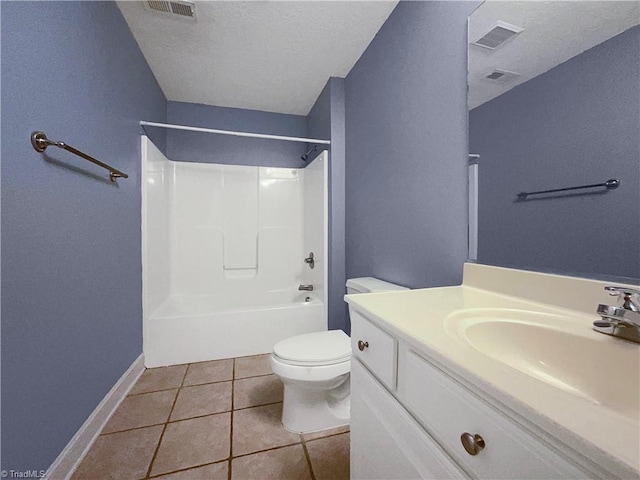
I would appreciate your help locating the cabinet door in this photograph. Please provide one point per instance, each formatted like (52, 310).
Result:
(386, 443)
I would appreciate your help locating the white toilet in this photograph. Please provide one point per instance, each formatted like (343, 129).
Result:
(314, 368)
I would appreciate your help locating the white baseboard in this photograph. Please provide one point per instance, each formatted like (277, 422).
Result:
(69, 459)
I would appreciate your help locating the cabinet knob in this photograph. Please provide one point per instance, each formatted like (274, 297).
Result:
(472, 443)
(362, 345)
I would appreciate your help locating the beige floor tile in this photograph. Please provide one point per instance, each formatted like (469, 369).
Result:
(216, 471)
(202, 400)
(120, 455)
(209, 372)
(252, 366)
(330, 457)
(288, 463)
(141, 411)
(260, 428)
(163, 378)
(251, 392)
(193, 442)
(325, 433)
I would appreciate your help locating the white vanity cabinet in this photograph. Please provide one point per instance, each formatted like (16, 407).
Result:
(407, 418)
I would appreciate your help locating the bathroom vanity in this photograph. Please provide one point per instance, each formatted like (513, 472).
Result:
(501, 377)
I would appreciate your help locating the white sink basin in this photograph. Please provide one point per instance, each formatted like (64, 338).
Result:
(556, 350)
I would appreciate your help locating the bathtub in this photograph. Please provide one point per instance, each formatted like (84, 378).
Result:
(196, 328)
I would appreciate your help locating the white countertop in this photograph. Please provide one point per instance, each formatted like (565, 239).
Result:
(426, 320)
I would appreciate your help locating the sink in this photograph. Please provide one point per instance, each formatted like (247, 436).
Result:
(557, 350)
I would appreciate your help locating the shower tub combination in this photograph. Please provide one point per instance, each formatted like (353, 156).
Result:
(194, 329)
(223, 255)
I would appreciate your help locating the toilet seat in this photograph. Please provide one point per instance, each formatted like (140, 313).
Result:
(314, 349)
(309, 375)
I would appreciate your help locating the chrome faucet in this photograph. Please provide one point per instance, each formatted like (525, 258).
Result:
(307, 288)
(621, 321)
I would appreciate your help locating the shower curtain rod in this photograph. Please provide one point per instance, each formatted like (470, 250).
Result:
(236, 134)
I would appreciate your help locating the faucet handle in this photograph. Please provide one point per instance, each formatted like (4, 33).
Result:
(310, 260)
(631, 296)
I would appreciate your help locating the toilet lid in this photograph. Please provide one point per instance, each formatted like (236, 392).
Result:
(318, 348)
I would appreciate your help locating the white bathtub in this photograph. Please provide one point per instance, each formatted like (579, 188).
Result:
(196, 328)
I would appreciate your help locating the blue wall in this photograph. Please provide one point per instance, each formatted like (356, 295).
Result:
(326, 120)
(576, 124)
(211, 148)
(71, 272)
(406, 169)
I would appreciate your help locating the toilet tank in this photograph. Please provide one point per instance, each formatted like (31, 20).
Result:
(370, 284)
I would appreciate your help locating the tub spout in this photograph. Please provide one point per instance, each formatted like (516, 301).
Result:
(307, 288)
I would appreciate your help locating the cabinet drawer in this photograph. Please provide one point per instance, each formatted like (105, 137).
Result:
(447, 410)
(379, 349)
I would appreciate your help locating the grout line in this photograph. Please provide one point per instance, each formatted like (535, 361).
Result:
(164, 429)
(306, 454)
(189, 468)
(152, 391)
(207, 383)
(267, 449)
(197, 416)
(326, 436)
(132, 429)
(233, 385)
(199, 384)
(255, 376)
(177, 420)
(256, 406)
(180, 387)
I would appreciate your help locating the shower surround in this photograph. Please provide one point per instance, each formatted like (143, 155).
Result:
(223, 255)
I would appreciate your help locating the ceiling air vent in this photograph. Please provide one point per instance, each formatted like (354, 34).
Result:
(175, 8)
(498, 35)
(502, 75)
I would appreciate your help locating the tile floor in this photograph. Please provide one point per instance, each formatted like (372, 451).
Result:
(211, 420)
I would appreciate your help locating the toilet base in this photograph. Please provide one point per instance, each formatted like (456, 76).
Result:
(307, 410)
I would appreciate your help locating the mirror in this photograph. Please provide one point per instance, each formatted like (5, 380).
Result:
(554, 103)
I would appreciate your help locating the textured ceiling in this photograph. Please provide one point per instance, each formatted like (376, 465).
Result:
(553, 33)
(261, 55)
